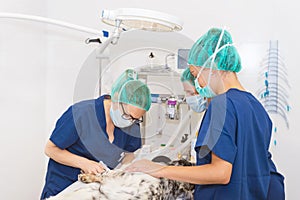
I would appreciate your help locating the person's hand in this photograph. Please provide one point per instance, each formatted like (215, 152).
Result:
(92, 167)
(146, 166)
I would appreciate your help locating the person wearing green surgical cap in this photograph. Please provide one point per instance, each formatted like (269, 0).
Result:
(193, 99)
(210, 53)
(130, 99)
(233, 161)
(97, 131)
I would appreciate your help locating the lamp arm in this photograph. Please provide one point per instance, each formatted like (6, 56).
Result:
(50, 21)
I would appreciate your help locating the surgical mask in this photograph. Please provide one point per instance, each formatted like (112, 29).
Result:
(205, 91)
(116, 117)
(197, 103)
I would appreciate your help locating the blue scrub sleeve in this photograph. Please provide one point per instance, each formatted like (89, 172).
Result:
(218, 130)
(65, 134)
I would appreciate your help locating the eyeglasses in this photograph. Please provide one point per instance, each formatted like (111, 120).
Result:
(129, 117)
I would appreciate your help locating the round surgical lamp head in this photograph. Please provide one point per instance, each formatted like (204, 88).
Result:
(135, 18)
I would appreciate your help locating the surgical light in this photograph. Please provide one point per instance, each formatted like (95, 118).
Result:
(135, 18)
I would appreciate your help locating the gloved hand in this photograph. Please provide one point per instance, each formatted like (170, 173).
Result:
(92, 167)
(146, 166)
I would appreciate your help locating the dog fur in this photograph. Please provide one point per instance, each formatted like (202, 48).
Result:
(117, 184)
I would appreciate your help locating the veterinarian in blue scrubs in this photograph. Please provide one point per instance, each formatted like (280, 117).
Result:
(233, 161)
(96, 130)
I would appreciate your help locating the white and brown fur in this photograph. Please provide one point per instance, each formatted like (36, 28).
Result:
(117, 184)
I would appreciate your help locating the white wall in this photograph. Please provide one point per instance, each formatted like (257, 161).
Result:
(22, 107)
(38, 71)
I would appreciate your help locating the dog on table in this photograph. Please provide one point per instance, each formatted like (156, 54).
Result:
(129, 185)
(117, 184)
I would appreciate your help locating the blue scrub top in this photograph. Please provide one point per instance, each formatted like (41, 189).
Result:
(82, 131)
(237, 129)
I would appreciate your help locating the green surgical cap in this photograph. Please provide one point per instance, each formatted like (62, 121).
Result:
(186, 76)
(127, 89)
(226, 59)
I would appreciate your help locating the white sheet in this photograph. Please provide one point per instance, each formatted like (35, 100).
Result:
(78, 190)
